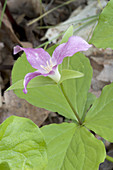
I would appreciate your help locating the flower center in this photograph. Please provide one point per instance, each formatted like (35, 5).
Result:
(49, 67)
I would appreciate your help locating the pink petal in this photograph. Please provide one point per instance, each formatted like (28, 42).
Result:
(36, 57)
(17, 49)
(29, 77)
(74, 45)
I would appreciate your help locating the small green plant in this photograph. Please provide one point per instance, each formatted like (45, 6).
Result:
(60, 84)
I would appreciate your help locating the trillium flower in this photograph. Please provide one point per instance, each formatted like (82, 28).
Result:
(47, 65)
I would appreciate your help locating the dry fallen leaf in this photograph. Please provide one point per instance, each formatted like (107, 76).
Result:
(12, 105)
(104, 65)
(80, 13)
(106, 74)
(31, 8)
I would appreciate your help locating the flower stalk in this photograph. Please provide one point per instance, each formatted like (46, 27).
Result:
(77, 116)
(109, 158)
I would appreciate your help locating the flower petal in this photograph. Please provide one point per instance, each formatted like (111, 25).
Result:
(17, 49)
(36, 57)
(29, 77)
(74, 45)
(55, 75)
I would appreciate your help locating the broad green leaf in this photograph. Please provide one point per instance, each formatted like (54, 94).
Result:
(72, 147)
(22, 145)
(77, 89)
(51, 49)
(22, 70)
(70, 74)
(49, 97)
(103, 33)
(100, 117)
(90, 100)
(67, 34)
(36, 82)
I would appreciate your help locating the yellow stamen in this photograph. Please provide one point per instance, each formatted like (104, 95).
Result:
(48, 68)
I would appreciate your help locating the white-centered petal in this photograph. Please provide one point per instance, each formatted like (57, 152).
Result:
(48, 67)
(56, 76)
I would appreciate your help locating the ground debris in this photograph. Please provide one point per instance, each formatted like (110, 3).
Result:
(12, 105)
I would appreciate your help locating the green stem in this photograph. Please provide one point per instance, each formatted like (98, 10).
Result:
(74, 22)
(78, 28)
(100, 4)
(2, 14)
(48, 12)
(78, 118)
(109, 158)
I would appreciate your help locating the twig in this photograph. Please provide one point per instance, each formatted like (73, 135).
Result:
(48, 12)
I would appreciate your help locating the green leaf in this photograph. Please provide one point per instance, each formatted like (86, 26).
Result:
(100, 117)
(22, 145)
(36, 82)
(51, 49)
(49, 97)
(103, 33)
(70, 74)
(77, 89)
(72, 147)
(67, 34)
(22, 70)
(90, 100)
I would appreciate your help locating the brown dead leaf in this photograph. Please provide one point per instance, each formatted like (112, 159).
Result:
(8, 40)
(104, 66)
(106, 75)
(8, 37)
(31, 8)
(12, 105)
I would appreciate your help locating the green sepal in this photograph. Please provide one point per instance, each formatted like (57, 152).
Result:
(67, 34)
(69, 74)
